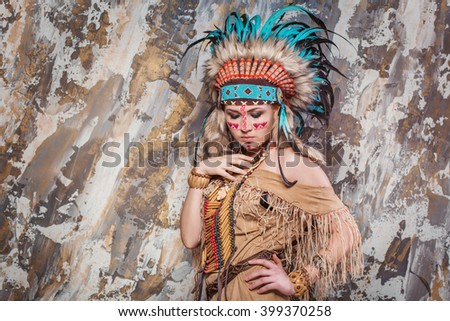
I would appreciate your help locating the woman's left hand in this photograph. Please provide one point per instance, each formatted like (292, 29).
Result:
(271, 277)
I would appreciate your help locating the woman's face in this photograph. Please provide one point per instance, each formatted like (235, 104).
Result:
(250, 125)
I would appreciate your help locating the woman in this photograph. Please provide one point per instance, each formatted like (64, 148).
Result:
(263, 212)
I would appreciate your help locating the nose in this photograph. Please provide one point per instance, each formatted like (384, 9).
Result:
(245, 126)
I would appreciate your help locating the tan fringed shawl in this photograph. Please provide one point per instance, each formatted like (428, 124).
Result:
(303, 221)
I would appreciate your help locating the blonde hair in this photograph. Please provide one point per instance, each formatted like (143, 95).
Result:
(216, 139)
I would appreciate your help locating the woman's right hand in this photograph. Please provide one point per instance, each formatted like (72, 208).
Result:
(225, 166)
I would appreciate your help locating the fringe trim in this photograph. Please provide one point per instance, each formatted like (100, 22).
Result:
(305, 235)
(331, 235)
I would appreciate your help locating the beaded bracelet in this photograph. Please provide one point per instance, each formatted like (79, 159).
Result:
(196, 180)
(301, 282)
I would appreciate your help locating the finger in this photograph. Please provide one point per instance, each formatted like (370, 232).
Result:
(260, 283)
(239, 162)
(244, 164)
(266, 263)
(258, 274)
(226, 175)
(277, 261)
(244, 157)
(266, 288)
(236, 170)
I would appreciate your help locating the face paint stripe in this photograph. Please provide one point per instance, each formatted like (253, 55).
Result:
(260, 125)
(233, 126)
(244, 117)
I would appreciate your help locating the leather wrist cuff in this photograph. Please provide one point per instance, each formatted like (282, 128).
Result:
(301, 282)
(196, 180)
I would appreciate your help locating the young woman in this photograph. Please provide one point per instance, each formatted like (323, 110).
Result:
(268, 222)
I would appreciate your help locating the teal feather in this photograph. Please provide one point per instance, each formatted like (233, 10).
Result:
(229, 26)
(238, 25)
(246, 27)
(255, 24)
(289, 34)
(283, 30)
(316, 108)
(302, 36)
(283, 121)
(283, 126)
(300, 123)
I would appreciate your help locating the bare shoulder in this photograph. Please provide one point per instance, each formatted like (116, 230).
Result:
(299, 168)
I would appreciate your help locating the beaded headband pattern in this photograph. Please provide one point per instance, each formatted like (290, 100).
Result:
(249, 94)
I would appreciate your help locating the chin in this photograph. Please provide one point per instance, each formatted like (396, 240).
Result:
(251, 146)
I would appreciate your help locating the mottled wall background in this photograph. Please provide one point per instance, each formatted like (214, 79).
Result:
(75, 75)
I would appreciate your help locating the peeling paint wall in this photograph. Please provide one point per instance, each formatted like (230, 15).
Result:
(81, 80)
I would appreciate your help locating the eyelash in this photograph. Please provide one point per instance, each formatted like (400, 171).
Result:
(257, 115)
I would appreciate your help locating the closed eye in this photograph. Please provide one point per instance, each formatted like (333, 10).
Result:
(256, 115)
(234, 116)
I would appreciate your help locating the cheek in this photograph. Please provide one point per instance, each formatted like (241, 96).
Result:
(258, 126)
(233, 126)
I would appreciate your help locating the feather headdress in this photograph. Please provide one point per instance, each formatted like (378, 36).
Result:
(248, 59)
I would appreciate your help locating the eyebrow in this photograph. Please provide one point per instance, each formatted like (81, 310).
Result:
(248, 111)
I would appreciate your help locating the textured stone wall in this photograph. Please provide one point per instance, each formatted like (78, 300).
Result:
(76, 75)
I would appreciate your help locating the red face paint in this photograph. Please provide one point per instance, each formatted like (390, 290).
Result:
(260, 125)
(244, 117)
(234, 126)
